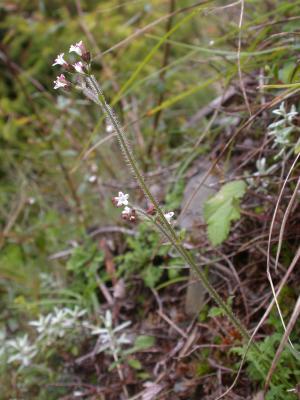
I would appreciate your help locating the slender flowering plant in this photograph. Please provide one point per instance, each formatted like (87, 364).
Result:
(87, 83)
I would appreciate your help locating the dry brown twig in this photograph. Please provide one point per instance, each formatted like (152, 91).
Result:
(284, 339)
(280, 242)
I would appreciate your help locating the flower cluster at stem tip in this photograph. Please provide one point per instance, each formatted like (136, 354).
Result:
(80, 67)
(83, 67)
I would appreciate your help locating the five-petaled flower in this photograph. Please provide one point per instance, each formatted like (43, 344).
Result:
(121, 200)
(60, 82)
(79, 67)
(60, 60)
(78, 48)
(169, 216)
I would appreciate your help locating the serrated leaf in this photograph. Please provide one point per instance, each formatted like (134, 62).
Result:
(221, 209)
(152, 275)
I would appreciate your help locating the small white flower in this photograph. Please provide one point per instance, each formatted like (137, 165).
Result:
(59, 60)
(122, 199)
(79, 67)
(78, 48)
(31, 201)
(77, 393)
(60, 82)
(92, 178)
(169, 216)
(109, 128)
(126, 211)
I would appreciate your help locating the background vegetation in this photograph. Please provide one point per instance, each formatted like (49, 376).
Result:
(93, 306)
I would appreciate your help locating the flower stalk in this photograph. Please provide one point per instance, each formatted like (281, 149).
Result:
(165, 227)
(90, 87)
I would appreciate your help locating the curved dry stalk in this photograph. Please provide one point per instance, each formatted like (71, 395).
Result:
(240, 284)
(284, 221)
(96, 145)
(262, 320)
(284, 339)
(269, 244)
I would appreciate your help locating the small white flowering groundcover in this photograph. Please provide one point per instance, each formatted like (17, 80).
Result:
(57, 324)
(281, 129)
(60, 324)
(49, 328)
(109, 338)
(21, 350)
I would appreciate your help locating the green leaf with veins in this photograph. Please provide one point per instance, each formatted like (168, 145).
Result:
(223, 208)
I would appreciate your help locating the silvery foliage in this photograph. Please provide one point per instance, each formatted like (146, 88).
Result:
(110, 339)
(261, 171)
(19, 350)
(47, 282)
(55, 326)
(281, 129)
(49, 328)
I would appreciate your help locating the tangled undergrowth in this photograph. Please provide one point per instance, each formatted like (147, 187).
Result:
(93, 298)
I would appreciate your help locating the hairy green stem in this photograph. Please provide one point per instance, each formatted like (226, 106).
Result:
(167, 228)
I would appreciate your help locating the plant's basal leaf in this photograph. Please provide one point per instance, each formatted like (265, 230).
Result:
(221, 209)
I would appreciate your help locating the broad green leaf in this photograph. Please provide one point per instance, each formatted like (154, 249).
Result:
(223, 208)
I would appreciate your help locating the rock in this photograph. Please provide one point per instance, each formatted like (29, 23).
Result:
(259, 396)
(192, 217)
